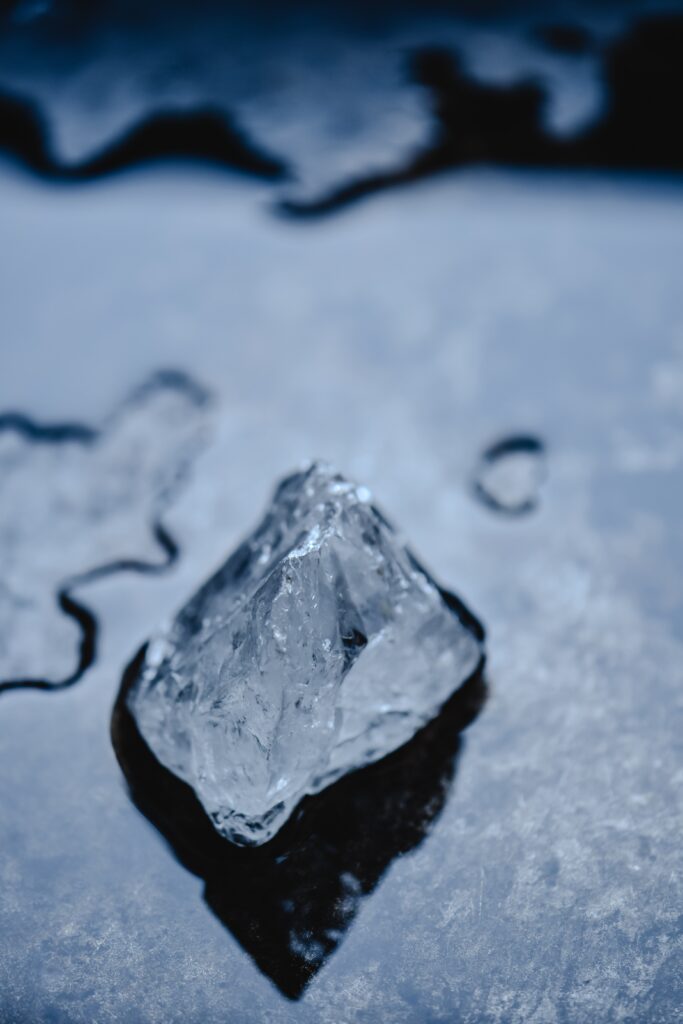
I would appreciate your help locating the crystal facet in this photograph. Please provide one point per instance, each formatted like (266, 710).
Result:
(320, 646)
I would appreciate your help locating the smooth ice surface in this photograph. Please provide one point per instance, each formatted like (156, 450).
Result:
(320, 646)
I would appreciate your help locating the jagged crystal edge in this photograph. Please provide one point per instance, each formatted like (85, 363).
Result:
(320, 646)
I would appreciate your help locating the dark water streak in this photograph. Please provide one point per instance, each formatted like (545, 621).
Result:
(474, 123)
(202, 134)
(76, 433)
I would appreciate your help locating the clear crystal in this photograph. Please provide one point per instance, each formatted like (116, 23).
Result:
(320, 646)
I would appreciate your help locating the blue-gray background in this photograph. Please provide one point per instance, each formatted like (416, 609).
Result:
(396, 337)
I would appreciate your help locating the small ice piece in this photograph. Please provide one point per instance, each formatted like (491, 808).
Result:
(320, 646)
(510, 474)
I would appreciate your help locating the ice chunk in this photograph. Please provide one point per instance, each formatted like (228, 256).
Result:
(320, 646)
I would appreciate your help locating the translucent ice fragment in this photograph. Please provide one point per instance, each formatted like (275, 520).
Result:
(320, 646)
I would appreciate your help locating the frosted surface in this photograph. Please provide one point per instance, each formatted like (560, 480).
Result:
(320, 646)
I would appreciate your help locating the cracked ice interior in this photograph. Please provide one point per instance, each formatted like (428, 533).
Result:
(320, 646)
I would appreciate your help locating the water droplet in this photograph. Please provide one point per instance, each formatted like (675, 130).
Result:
(510, 473)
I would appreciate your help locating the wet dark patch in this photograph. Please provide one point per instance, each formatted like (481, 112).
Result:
(473, 123)
(290, 902)
(570, 39)
(478, 123)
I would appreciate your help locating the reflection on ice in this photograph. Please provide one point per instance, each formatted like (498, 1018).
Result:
(289, 903)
